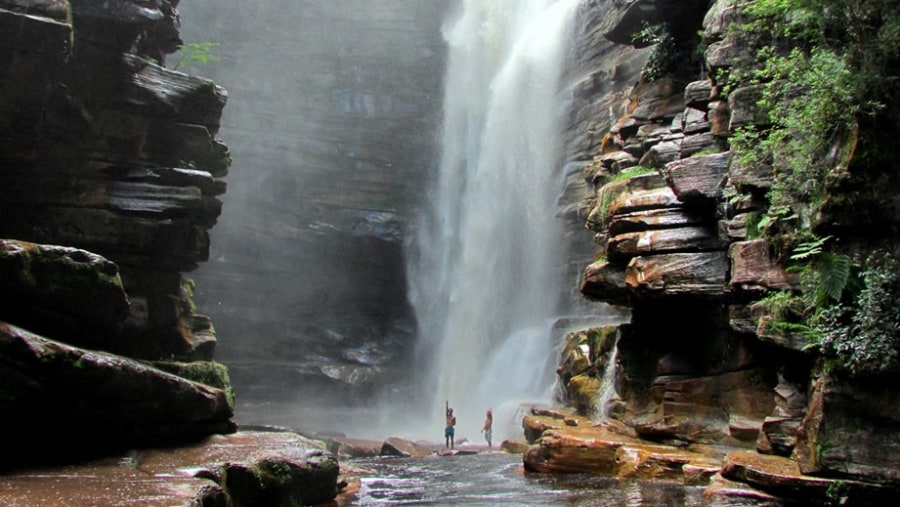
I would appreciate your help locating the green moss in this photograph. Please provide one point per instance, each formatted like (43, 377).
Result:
(209, 373)
(282, 483)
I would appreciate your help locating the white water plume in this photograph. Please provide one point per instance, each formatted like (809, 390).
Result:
(607, 385)
(484, 268)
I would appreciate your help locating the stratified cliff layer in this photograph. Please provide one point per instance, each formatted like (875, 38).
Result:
(109, 177)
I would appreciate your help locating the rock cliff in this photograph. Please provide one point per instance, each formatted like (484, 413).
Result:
(110, 172)
(697, 244)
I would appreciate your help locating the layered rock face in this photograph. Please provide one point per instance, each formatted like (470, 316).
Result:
(696, 364)
(335, 112)
(109, 175)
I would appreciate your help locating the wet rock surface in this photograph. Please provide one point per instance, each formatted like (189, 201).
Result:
(675, 216)
(241, 469)
(724, 471)
(105, 150)
(65, 401)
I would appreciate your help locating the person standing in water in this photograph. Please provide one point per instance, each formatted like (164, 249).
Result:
(449, 431)
(488, 424)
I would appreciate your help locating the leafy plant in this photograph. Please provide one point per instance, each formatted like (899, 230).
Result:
(196, 52)
(669, 56)
(864, 333)
(827, 80)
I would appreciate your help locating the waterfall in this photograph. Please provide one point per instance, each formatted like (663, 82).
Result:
(607, 385)
(484, 268)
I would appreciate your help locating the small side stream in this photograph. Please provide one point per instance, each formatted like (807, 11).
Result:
(497, 479)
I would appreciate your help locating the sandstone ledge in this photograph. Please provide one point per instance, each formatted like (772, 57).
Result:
(575, 445)
(560, 447)
(782, 477)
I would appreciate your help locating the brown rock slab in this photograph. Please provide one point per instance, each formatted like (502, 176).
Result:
(574, 451)
(535, 426)
(837, 438)
(652, 219)
(698, 473)
(651, 463)
(358, 448)
(724, 490)
(596, 450)
(753, 268)
(662, 98)
(697, 93)
(395, 446)
(745, 109)
(662, 241)
(582, 391)
(697, 178)
(605, 282)
(643, 199)
(744, 428)
(782, 476)
(514, 446)
(696, 274)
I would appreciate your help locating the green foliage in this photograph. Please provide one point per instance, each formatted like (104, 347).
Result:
(846, 311)
(832, 278)
(825, 278)
(669, 56)
(196, 52)
(837, 493)
(864, 331)
(809, 249)
(827, 77)
(664, 52)
(825, 68)
(751, 223)
(782, 305)
(631, 172)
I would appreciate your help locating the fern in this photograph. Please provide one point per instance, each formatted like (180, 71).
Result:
(809, 249)
(834, 273)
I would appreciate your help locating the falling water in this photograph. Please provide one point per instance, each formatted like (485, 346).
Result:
(484, 277)
(607, 385)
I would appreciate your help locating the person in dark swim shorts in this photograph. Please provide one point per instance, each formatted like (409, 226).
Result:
(449, 431)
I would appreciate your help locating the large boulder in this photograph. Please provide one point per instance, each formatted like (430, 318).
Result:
(52, 391)
(836, 437)
(62, 292)
(395, 446)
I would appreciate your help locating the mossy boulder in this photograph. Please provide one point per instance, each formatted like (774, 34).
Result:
(282, 483)
(65, 293)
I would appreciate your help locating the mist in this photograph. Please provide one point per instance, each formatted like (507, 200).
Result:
(391, 238)
(332, 121)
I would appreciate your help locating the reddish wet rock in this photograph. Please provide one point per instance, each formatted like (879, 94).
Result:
(184, 476)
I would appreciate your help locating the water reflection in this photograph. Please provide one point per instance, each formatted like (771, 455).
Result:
(497, 479)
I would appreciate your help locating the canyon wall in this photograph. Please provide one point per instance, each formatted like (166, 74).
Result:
(676, 213)
(110, 172)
